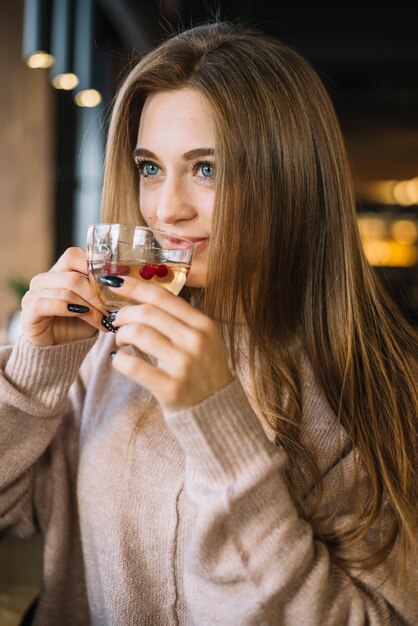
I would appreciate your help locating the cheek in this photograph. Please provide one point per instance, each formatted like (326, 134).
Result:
(145, 208)
(206, 202)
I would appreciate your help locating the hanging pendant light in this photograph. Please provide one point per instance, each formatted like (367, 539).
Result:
(62, 73)
(37, 34)
(87, 93)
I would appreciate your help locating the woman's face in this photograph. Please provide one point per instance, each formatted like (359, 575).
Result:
(175, 157)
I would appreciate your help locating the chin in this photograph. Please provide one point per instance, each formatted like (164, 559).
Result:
(196, 284)
(196, 278)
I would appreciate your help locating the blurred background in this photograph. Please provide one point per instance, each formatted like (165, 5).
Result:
(61, 62)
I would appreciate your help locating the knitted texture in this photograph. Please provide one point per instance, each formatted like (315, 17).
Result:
(189, 520)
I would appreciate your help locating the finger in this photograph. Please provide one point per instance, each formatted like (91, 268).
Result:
(142, 372)
(171, 391)
(72, 281)
(58, 303)
(149, 341)
(177, 331)
(160, 297)
(73, 259)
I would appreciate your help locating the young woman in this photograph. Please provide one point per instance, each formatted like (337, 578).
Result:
(260, 467)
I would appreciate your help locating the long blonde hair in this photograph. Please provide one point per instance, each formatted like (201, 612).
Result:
(285, 252)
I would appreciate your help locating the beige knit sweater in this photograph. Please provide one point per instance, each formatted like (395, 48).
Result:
(189, 521)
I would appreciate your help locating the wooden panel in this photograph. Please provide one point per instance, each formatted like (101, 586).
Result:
(26, 110)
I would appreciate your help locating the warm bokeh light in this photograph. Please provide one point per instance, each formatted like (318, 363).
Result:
(412, 190)
(65, 81)
(40, 59)
(372, 228)
(88, 98)
(400, 192)
(390, 253)
(405, 231)
(389, 242)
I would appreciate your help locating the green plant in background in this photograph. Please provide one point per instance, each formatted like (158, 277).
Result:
(12, 331)
(19, 286)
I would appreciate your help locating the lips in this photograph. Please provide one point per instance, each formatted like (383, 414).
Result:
(199, 242)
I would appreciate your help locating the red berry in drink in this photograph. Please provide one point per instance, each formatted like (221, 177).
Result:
(147, 271)
(161, 270)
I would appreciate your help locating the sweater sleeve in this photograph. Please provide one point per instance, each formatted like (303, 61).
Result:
(34, 384)
(252, 559)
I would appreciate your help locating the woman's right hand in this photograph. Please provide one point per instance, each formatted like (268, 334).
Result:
(46, 319)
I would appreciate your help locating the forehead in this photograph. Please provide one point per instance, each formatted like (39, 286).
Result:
(174, 114)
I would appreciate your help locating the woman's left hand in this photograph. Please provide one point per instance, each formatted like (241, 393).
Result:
(191, 363)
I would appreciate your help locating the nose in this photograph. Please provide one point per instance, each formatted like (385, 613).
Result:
(174, 202)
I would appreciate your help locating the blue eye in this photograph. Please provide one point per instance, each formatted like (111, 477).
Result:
(208, 170)
(147, 168)
(150, 169)
(204, 169)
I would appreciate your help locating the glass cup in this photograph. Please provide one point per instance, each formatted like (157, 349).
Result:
(147, 254)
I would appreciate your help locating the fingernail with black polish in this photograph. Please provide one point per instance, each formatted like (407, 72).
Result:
(108, 325)
(112, 281)
(78, 308)
(112, 354)
(112, 316)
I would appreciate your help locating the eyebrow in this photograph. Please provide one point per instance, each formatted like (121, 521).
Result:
(187, 156)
